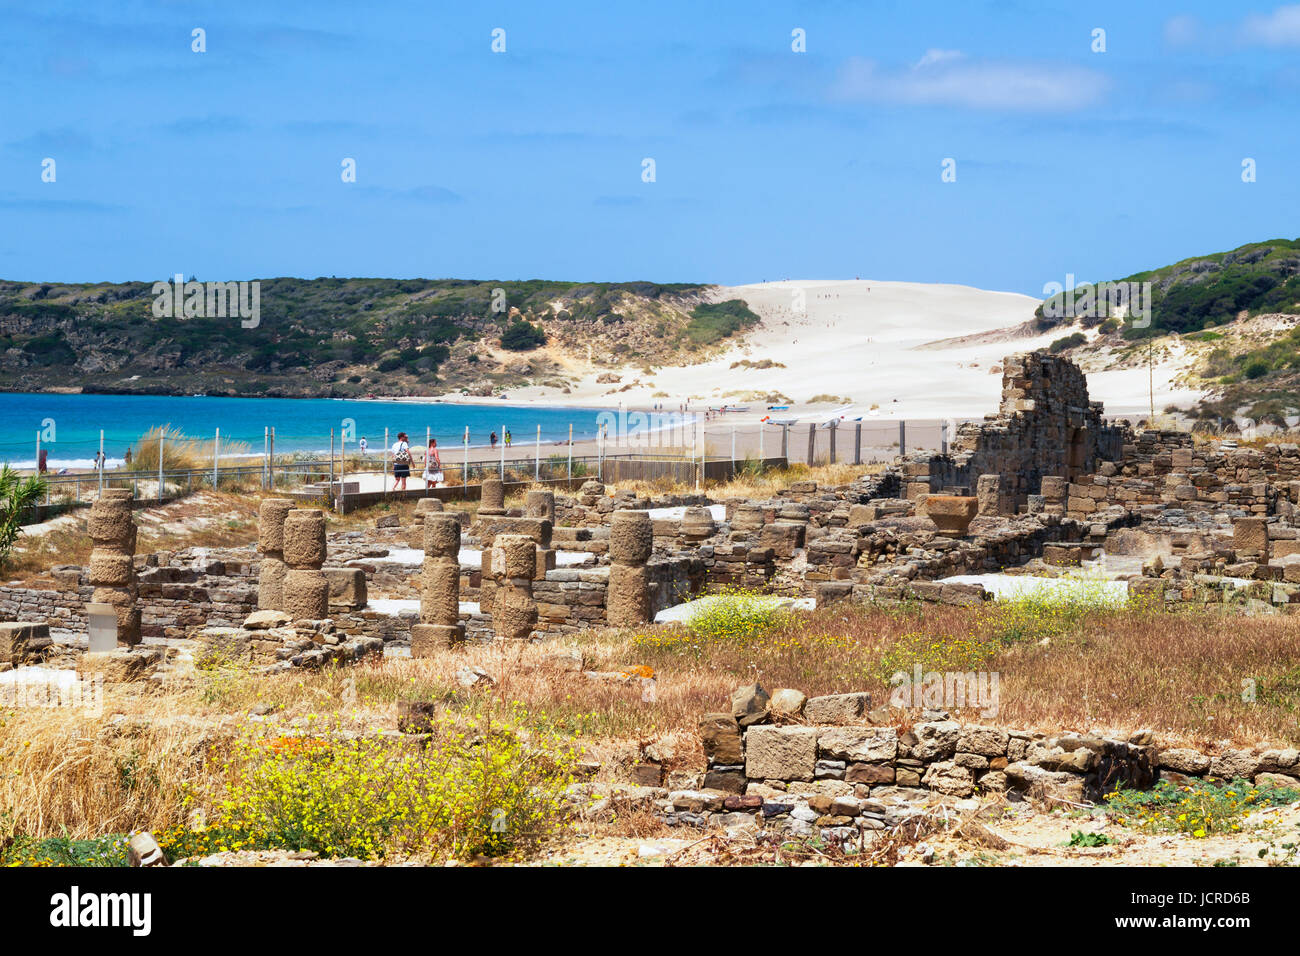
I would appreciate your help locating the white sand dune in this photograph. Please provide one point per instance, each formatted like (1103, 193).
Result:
(886, 346)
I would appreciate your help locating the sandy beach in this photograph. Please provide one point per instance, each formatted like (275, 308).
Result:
(888, 350)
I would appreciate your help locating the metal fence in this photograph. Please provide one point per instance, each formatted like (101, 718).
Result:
(680, 450)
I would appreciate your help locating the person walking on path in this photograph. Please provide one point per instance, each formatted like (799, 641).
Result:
(432, 465)
(401, 461)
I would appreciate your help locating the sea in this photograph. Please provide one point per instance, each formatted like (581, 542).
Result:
(69, 426)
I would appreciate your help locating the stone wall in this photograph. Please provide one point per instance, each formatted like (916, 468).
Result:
(1045, 425)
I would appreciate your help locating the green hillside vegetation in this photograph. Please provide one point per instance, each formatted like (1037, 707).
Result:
(712, 322)
(1210, 290)
(325, 336)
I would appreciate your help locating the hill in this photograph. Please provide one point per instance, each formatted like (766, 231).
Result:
(1232, 316)
(332, 337)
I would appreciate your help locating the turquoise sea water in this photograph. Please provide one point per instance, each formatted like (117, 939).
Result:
(70, 424)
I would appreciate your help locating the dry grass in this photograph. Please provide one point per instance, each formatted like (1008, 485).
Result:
(180, 453)
(754, 484)
(1114, 671)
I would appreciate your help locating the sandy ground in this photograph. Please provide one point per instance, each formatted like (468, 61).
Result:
(890, 349)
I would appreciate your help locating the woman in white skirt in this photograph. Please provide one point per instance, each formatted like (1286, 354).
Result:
(432, 465)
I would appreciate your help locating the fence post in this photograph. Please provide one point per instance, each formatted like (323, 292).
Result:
(693, 471)
(101, 462)
(37, 467)
(537, 467)
(835, 427)
(902, 437)
(570, 475)
(216, 457)
(464, 476)
(812, 443)
(733, 451)
(785, 442)
(385, 485)
(857, 443)
(270, 462)
(331, 462)
(161, 439)
(503, 454)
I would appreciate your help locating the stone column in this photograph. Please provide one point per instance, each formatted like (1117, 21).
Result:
(631, 541)
(306, 589)
(492, 497)
(439, 625)
(540, 507)
(270, 541)
(112, 565)
(423, 508)
(514, 612)
(988, 489)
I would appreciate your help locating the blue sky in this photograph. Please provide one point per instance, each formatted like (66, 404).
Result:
(525, 164)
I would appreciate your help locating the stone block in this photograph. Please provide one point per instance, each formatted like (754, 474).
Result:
(780, 753)
(837, 708)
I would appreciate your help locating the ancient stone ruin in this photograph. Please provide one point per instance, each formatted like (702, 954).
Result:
(631, 542)
(492, 497)
(270, 541)
(306, 589)
(439, 625)
(514, 612)
(112, 561)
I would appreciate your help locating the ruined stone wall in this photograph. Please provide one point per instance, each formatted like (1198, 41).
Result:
(1045, 425)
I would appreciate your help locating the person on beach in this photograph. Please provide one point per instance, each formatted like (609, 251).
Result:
(507, 437)
(493, 439)
(361, 446)
(401, 461)
(127, 457)
(432, 465)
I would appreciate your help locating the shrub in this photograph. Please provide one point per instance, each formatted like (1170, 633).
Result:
(1199, 808)
(521, 336)
(1068, 342)
(735, 615)
(480, 788)
(713, 321)
(17, 495)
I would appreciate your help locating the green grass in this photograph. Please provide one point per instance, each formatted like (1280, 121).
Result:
(108, 850)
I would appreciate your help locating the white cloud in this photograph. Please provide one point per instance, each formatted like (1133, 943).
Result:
(937, 56)
(948, 78)
(1279, 28)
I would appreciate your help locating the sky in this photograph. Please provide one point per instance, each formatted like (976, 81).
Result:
(531, 162)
